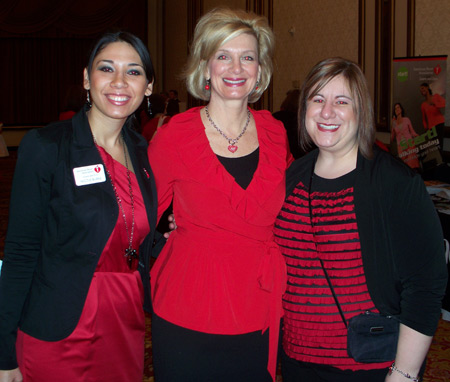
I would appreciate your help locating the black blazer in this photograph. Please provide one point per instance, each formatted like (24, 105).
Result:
(57, 231)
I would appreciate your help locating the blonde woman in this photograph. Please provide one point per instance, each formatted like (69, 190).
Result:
(217, 285)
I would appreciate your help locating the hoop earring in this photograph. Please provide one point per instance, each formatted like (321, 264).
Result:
(149, 106)
(208, 83)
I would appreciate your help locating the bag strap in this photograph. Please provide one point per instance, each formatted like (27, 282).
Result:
(334, 294)
(320, 260)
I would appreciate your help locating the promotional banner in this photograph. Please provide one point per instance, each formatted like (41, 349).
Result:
(418, 109)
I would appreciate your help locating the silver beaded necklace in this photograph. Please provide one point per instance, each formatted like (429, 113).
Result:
(231, 142)
(130, 252)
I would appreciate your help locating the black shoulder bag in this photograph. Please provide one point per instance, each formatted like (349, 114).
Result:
(371, 337)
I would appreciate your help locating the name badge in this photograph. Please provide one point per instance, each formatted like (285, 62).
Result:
(89, 174)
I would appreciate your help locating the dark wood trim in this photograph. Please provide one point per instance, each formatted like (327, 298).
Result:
(163, 81)
(384, 12)
(411, 28)
(376, 103)
(263, 8)
(362, 34)
(194, 12)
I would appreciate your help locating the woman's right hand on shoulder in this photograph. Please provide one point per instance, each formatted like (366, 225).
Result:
(13, 375)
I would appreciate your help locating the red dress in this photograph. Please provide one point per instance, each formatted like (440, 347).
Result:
(149, 129)
(220, 272)
(108, 342)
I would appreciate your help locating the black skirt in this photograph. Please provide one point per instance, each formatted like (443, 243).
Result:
(181, 354)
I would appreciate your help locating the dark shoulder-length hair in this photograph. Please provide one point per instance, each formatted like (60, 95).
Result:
(134, 41)
(319, 76)
(394, 115)
(427, 85)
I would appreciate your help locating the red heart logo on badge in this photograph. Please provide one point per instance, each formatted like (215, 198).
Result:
(97, 169)
(437, 69)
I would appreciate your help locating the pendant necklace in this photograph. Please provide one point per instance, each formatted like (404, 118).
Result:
(231, 142)
(130, 252)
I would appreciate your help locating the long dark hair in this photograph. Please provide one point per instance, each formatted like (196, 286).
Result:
(135, 42)
(394, 115)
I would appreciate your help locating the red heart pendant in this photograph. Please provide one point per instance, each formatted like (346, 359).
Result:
(232, 148)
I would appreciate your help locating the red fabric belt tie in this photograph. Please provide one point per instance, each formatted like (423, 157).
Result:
(273, 281)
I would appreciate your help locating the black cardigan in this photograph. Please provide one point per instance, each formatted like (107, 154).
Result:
(57, 231)
(401, 238)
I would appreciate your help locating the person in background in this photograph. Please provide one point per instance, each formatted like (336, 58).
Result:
(173, 103)
(431, 108)
(369, 219)
(288, 115)
(82, 217)
(404, 134)
(218, 282)
(75, 99)
(165, 96)
(157, 106)
(431, 112)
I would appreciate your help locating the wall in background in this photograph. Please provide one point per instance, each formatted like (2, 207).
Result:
(308, 31)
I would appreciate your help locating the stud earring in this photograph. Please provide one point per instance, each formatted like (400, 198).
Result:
(207, 86)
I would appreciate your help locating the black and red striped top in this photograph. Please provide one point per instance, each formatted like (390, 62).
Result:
(313, 328)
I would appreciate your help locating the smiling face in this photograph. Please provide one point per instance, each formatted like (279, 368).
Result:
(424, 90)
(331, 120)
(234, 69)
(117, 82)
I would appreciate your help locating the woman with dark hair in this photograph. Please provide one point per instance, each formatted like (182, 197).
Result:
(82, 216)
(158, 118)
(218, 282)
(358, 231)
(404, 134)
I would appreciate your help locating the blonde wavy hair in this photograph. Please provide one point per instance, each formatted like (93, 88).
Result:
(216, 28)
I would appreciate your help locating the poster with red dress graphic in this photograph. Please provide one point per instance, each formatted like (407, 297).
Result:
(418, 110)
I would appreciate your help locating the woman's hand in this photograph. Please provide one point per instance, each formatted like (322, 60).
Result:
(412, 349)
(11, 375)
(172, 226)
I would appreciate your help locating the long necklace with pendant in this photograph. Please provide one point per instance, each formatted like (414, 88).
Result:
(130, 252)
(231, 142)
